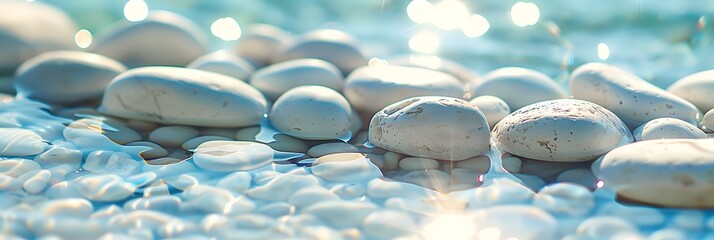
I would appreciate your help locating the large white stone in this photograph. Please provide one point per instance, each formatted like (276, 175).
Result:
(564, 130)
(163, 38)
(369, 89)
(431, 127)
(66, 76)
(330, 45)
(30, 28)
(494, 108)
(668, 172)
(518, 87)
(20, 142)
(667, 128)
(313, 113)
(174, 95)
(697, 88)
(276, 79)
(631, 98)
(224, 62)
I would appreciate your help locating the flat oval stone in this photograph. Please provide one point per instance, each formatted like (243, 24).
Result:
(518, 87)
(667, 128)
(493, 108)
(225, 63)
(283, 143)
(30, 28)
(172, 136)
(230, 156)
(697, 88)
(417, 163)
(431, 127)
(668, 172)
(173, 95)
(565, 199)
(115, 131)
(106, 187)
(259, 43)
(163, 38)
(330, 45)
(15, 168)
(631, 98)
(345, 167)
(370, 89)
(66, 76)
(313, 113)
(330, 148)
(276, 79)
(20, 142)
(564, 130)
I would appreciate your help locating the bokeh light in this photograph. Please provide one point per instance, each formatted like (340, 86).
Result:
(525, 14)
(136, 10)
(83, 38)
(475, 26)
(227, 29)
(424, 42)
(603, 51)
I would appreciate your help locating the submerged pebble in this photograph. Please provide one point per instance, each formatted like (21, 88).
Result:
(229, 156)
(20, 142)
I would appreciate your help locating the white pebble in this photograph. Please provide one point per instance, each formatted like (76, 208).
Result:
(331, 148)
(566, 199)
(276, 79)
(225, 63)
(172, 136)
(193, 143)
(417, 163)
(38, 182)
(230, 156)
(345, 167)
(341, 214)
(493, 108)
(58, 155)
(312, 113)
(696, 88)
(330, 45)
(104, 187)
(20, 142)
(259, 43)
(518, 87)
(667, 128)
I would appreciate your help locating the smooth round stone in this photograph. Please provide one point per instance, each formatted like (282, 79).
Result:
(669, 172)
(518, 87)
(118, 163)
(206, 199)
(667, 128)
(311, 195)
(66, 77)
(141, 126)
(431, 127)
(237, 182)
(36, 183)
(707, 123)
(639, 215)
(533, 223)
(60, 156)
(331, 148)
(164, 204)
(501, 192)
(417, 163)
(70, 207)
(345, 167)
(15, 168)
(431, 178)
(276, 209)
(370, 89)
(115, 131)
(464, 178)
(156, 151)
(230, 156)
(283, 143)
(697, 88)
(668, 234)
(604, 227)
(172, 95)
(224, 62)
(565, 199)
(30, 28)
(444, 65)
(281, 187)
(276, 79)
(564, 130)
(172, 136)
(494, 108)
(480, 163)
(633, 99)
(221, 132)
(312, 113)
(163, 38)
(330, 45)
(391, 161)
(259, 43)
(104, 188)
(341, 214)
(20, 142)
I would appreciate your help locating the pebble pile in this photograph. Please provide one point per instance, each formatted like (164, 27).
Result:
(148, 135)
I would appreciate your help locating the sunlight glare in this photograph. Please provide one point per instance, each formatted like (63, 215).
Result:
(83, 38)
(449, 14)
(451, 226)
(227, 29)
(525, 14)
(136, 10)
(603, 51)
(419, 11)
(475, 26)
(424, 42)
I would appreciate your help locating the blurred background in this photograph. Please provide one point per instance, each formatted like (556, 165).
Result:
(658, 40)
